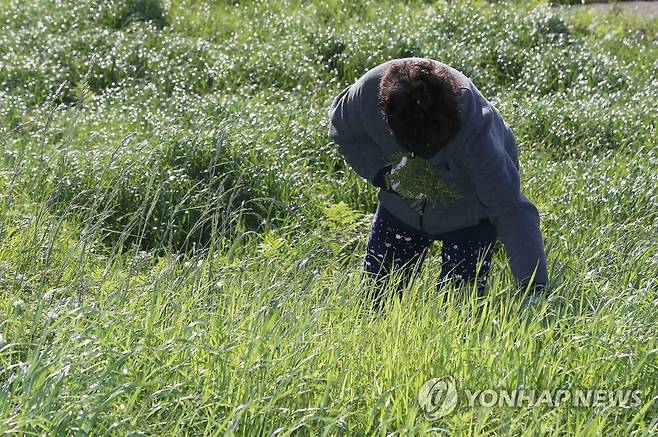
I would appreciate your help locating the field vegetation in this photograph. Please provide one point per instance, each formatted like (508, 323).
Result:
(181, 245)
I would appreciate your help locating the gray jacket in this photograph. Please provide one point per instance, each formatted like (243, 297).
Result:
(480, 162)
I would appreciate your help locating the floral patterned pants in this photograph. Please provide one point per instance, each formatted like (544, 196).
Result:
(395, 246)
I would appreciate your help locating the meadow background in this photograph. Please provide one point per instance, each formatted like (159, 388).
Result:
(180, 243)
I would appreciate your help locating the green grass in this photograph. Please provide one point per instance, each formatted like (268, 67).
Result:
(180, 244)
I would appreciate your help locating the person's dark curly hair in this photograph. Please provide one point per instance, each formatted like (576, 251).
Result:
(419, 102)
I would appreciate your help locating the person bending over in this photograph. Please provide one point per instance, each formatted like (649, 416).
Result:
(447, 167)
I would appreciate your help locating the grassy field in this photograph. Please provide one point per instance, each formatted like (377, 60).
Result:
(180, 243)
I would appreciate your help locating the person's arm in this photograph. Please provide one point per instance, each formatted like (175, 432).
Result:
(497, 186)
(362, 154)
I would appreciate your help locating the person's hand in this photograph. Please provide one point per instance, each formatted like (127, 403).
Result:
(537, 293)
(379, 180)
(398, 167)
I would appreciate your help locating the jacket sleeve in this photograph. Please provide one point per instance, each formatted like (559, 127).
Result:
(497, 185)
(352, 141)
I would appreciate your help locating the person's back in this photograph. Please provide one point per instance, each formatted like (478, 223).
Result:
(432, 113)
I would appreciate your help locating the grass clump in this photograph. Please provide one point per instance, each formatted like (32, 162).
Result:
(119, 14)
(180, 192)
(415, 179)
